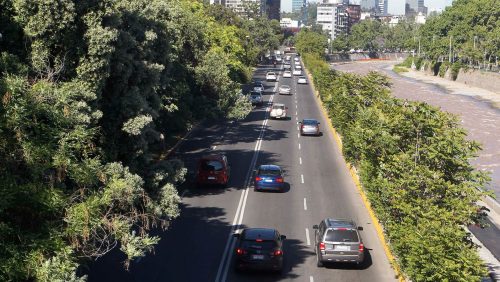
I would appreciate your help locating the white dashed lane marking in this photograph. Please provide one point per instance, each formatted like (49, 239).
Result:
(302, 178)
(308, 240)
(305, 204)
(300, 160)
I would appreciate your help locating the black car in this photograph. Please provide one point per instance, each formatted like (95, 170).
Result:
(259, 248)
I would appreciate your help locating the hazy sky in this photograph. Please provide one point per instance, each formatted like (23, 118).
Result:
(396, 7)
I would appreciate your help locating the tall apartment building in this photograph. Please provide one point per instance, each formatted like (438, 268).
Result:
(382, 6)
(333, 17)
(272, 9)
(297, 5)
(354, 13)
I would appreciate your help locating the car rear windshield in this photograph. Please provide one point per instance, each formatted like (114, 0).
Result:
(342, 235)
(253, 244)
(279, 107)
(310, 122)
(269, 172)
(212, 165)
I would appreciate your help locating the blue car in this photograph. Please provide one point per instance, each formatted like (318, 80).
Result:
(269, 177)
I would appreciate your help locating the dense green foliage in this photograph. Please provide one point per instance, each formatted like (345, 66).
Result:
(372, 35)
(473, 27)
(413, 162)
(88, 89)
(307, 41)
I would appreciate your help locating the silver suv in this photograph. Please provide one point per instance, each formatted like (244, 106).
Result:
(338, 240)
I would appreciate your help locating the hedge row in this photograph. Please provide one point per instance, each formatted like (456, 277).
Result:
(414, 165)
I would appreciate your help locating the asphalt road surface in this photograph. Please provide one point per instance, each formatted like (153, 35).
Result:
(198, 245)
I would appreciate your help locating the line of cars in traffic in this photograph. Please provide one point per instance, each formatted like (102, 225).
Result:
(335, 240)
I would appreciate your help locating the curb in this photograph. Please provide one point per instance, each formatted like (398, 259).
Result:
(355, 178)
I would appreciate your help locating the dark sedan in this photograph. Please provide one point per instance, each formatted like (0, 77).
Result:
(259, 248)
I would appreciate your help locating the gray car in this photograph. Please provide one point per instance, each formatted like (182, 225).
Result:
(338, 240)
(309, 127)
(256, 98)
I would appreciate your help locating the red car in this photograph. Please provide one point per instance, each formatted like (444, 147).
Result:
(213, 169)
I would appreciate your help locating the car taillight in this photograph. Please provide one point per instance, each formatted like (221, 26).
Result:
(322, 246)
(280, 179)
(361, 247)
(240, 251)
(278, 253)
(258, 178)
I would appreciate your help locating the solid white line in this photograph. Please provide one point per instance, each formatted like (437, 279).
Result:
(311, 279)
(305, 205)
(308, 240)
(300, 160)
(302, 178)
(240, 211)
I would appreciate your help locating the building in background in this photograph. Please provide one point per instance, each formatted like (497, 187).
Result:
(368, 5)
(272, 9)
(354, 13)
(239, 6)
(333, 17)
(297, 5)
(382, 6)
(414, 7)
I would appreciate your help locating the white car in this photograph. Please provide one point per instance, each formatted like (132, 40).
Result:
(278, 59)
(288, 57)
(287, 66)
(297, 72)
(278, 111)
(271, 76)
(285, 90)
(298, 67)
(287, 73)
(302, 80)
(297, 63)
(296, 59)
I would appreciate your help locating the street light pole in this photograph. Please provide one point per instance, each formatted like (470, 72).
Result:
(450, 59)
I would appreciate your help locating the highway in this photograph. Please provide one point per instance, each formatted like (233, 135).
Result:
(198, 245)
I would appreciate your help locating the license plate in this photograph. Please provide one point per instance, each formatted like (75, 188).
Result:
(342, 248)
(211, 178)
(268, 180)
(258, 257)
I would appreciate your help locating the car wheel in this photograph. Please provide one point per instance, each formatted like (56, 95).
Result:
(319, 263)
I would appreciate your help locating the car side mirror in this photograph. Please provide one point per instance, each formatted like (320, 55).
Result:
(283, 237)
(236, 235)
(299, 122)
(360, 228)
(315, 226)
(319, 122)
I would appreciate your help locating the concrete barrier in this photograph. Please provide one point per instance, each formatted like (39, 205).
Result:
(487, 80)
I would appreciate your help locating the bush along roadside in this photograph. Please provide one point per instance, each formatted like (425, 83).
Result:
(413, 162)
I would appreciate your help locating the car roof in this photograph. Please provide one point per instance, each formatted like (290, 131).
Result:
(259, 233)
(284, 85)
(340, 223)
(212, 157)
(269, 167)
